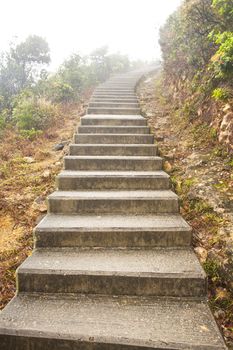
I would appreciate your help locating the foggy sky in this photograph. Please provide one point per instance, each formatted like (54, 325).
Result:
(127, 26)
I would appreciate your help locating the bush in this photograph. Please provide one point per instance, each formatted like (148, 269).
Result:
(3, 118)
(223, 58)
(31, 134)
(220, 94)
(61, 92)
(35, 113)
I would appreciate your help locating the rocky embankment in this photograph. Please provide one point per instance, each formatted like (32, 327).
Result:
(201, 173)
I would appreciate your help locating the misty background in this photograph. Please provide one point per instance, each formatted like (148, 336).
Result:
(79, 26)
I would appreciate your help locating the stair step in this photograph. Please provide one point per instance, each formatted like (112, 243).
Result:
(113, 150)
(113, 202)
(115, 90)
(112, 180)
(156, 272)
(45, 321)
(112, 231)
(121, 163)
(118, 104)
(114, 110)
(114, 100)
(113, 138)
(111, 94)
(113, 129)
(105, 120)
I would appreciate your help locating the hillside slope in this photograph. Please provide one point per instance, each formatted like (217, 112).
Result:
(27, 175)
(201, 173)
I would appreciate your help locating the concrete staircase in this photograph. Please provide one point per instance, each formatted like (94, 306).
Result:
(113, 267)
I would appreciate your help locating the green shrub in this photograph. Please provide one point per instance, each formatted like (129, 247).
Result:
(220, 94)
(2, 120)
(61, 92)
(35, 113)
(223, 58)
(31, 134)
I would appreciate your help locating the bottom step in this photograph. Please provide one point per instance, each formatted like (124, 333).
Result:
(78, 322)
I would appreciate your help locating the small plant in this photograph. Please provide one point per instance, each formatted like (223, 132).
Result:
(220, 94)
(32, 113)
(213, 133)
(4, 114)
(200, 206)
(62, 92)
(31, 134)
(211, 268)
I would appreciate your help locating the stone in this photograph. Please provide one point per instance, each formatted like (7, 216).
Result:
(58, 147)
(202, 253)
(226, 130)
(46, 173)
(29, 160)
(40, 204)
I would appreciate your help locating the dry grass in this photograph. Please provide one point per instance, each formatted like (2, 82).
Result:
(24, 185)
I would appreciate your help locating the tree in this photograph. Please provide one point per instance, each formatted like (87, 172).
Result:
(21, 66)
(184, 38)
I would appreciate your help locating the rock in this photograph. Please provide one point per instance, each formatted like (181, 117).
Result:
(29, 160)
(40, 204)
(43, 208)
(46, 173)
(58, 147)
(167, 166)
(202, 253)
(219, 314)
(226, 108)
(226, 130)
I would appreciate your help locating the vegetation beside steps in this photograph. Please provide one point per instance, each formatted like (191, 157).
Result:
(201, 171)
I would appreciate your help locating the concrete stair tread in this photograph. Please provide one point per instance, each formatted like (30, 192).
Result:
(113, 110)
(132, 145)
(112, 162)
(107, 129)
(114, 99)
(132, 194)
(114, 149)
(96, 173)
(114, 157)
(111, 116)
(108, 322)
(165, 230)
(158, 262)
(117, 103)
(58, 222)
(115, 120)
(113, 202)
(114, 138)
(115, 135)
